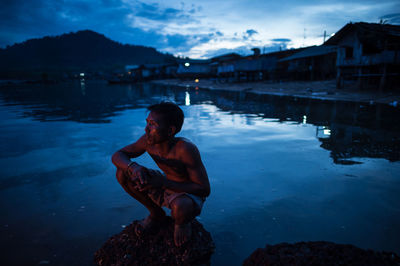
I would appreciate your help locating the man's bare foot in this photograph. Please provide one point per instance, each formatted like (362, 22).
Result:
(182, 233)
(148, 224)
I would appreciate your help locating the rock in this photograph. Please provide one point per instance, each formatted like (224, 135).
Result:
(156, 248)
(319, 253)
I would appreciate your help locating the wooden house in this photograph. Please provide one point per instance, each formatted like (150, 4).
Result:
(193, 68)
(255, 67)
(312, 63)
(222, 66)
(150, 71)
(273, 68)
(369, 54)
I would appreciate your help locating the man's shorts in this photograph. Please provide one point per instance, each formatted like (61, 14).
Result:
(164, 197)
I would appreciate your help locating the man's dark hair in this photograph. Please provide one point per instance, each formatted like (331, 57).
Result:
(172, 113)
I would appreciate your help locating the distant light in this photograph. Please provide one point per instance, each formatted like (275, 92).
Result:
(187, 64)
(327, 132)
(187, 98)
(304, 119)
(129, 73)
(196, 80)
(82, 74)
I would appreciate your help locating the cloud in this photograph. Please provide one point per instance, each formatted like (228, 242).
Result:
(277, 44)
(281, 40)
(22, 20)
(251, 32)
(154, 12)
(186, 27)
(177, 40)
(184, 43)
(391, 18)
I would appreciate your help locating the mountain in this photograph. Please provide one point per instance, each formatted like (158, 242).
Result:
(81, 51)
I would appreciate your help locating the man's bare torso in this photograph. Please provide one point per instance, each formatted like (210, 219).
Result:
(170, 163)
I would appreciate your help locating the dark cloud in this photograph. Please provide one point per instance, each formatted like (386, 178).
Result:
(204, 38)
(281, 40)
(154, 12)
(184, 43)
(157, 13)
(277, 44)
(220, 34)
(391, 18)
(22, 20)
(248, 34)
(177, 40)
(251, 32)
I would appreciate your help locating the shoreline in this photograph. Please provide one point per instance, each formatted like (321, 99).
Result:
(319, 90)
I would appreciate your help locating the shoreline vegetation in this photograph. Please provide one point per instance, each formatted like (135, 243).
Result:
(320, 90)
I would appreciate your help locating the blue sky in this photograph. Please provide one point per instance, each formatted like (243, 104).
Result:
(198, 29)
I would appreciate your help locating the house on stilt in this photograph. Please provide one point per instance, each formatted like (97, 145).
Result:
(368, 55)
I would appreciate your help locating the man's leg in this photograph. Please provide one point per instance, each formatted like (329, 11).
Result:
(183, 210)
(157, 214)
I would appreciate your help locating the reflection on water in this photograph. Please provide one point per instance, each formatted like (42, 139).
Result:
(187, 98)
(281, 169)
(344, 128)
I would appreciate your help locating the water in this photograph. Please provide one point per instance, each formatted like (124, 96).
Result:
(281, 169)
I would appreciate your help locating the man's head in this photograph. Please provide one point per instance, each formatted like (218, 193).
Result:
(165, 120)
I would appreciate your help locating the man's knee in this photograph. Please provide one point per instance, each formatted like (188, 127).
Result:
(182, 205)
(121, 177)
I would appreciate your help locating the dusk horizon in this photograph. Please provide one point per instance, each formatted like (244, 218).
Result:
(188, 29)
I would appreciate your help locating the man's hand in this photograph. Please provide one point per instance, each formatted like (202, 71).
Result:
(138, 175)
(144, 178)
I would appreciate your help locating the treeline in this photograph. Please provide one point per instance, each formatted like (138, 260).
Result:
(81, 51)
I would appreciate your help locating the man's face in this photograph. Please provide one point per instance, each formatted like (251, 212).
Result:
(156, 129)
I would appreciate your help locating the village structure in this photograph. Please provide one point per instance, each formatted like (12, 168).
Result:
(364, 54)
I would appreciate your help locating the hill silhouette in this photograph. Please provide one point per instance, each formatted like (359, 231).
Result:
(84, 50)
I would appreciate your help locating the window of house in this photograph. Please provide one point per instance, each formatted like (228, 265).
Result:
(349, 52)
(370, 48)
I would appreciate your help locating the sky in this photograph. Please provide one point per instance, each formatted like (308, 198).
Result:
(196, 29)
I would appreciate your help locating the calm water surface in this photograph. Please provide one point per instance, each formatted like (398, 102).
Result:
(281, 169)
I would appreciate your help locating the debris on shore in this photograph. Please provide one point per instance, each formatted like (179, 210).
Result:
(319, 253)
(156, 248)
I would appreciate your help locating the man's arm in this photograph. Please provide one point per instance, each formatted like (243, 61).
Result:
(199, 184)
(121, 158)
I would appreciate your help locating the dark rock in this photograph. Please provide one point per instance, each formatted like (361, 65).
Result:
(319, 253)
(156, 248)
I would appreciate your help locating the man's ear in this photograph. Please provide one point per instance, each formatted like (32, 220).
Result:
(172, 130)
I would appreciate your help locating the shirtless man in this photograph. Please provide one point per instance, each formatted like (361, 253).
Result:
(185, 184)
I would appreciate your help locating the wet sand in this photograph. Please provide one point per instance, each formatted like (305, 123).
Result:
(323, 90)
